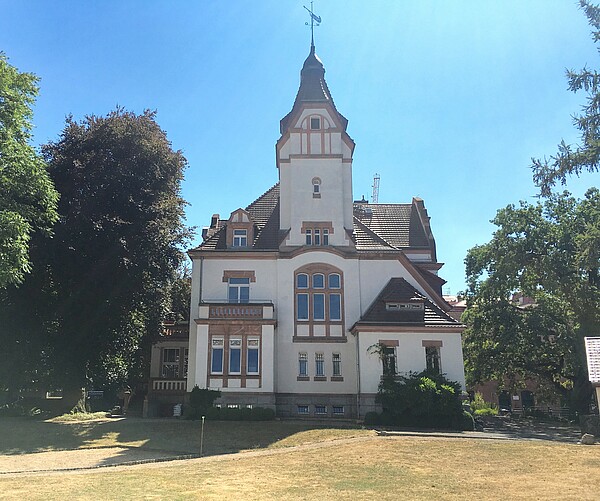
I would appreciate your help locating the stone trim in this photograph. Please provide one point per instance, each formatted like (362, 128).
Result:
(227, 274)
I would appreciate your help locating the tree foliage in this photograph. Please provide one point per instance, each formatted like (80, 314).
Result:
(586, 156)
(28, 199)
(549, 252)
(100, 288)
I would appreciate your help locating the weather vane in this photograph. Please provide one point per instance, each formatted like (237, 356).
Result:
(314, 19)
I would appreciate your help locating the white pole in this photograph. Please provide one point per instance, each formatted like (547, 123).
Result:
(202, 436)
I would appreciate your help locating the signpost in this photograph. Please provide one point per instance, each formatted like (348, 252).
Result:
(202, 436)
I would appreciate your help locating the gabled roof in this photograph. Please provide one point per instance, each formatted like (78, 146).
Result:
(377, 227)
(398, 290)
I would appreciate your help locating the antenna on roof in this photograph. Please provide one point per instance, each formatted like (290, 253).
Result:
(313, 19)
(375, 195)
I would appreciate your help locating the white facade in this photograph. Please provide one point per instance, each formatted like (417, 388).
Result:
(289, 293)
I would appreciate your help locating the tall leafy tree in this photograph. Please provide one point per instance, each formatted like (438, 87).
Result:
(27, 197)
(549, 252)
(575, 159)
(105, 277)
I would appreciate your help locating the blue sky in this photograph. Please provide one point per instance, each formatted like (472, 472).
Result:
(447, 101)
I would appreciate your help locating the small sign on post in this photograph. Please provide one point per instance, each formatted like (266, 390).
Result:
(202, 437)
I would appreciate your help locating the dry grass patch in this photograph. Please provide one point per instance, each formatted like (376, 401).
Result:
(366, 468)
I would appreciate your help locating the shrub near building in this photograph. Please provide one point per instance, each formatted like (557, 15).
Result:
(422, 400)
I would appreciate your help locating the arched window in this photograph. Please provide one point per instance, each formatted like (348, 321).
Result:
(319, 298)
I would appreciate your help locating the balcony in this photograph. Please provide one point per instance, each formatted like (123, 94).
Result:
(168, 385)
(220, 310)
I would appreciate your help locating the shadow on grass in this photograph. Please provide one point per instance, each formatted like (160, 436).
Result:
(168, 437)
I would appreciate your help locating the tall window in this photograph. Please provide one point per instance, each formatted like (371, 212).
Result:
(337, 365)
(302, 364)
(239, 290)
(170, 367)
(319, 364)
(319, 301)
(235, 356)
(433, 359)
(389, 361)
(240, 238)
(252, 356)
(216, 366)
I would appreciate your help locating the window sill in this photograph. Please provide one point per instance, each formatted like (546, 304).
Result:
(337, 378)
(316, 195)
(302, 378)
(320, 378)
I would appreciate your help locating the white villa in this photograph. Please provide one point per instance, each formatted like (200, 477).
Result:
(289, 292)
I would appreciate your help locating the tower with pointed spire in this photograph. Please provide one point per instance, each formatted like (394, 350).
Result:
(314, 158)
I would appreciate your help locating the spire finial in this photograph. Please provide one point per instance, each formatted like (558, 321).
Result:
(313, 19)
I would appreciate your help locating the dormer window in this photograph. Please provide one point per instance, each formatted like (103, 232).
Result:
(315, 123)
(240, 238)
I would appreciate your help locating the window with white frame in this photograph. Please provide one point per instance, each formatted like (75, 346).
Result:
(235, 356)
(303, 409)
(320, 410)
(338, 410)
(170, 365)
(315, 123)
(318, 297)
(336, 360)
(216, 365)
(238, 290)
(316, 183)
(319, 364)
(240, 238)
(302, 364)
(252, 356)
(317, 233)
(319, 301)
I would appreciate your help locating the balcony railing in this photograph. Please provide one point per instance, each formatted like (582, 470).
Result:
(224, 310)
(169, 385)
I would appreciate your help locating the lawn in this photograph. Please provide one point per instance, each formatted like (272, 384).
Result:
(358, 466)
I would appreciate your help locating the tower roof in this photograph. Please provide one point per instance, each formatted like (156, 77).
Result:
(313, 88)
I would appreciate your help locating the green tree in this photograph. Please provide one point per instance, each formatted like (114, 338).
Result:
(586, 156)
(100, 291)
(28, 199)
(550, 252)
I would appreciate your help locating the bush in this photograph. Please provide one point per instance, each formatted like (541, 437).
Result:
(485, 412)
(201, 400)
(422, 400)
(480, 407)
(372, 417)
